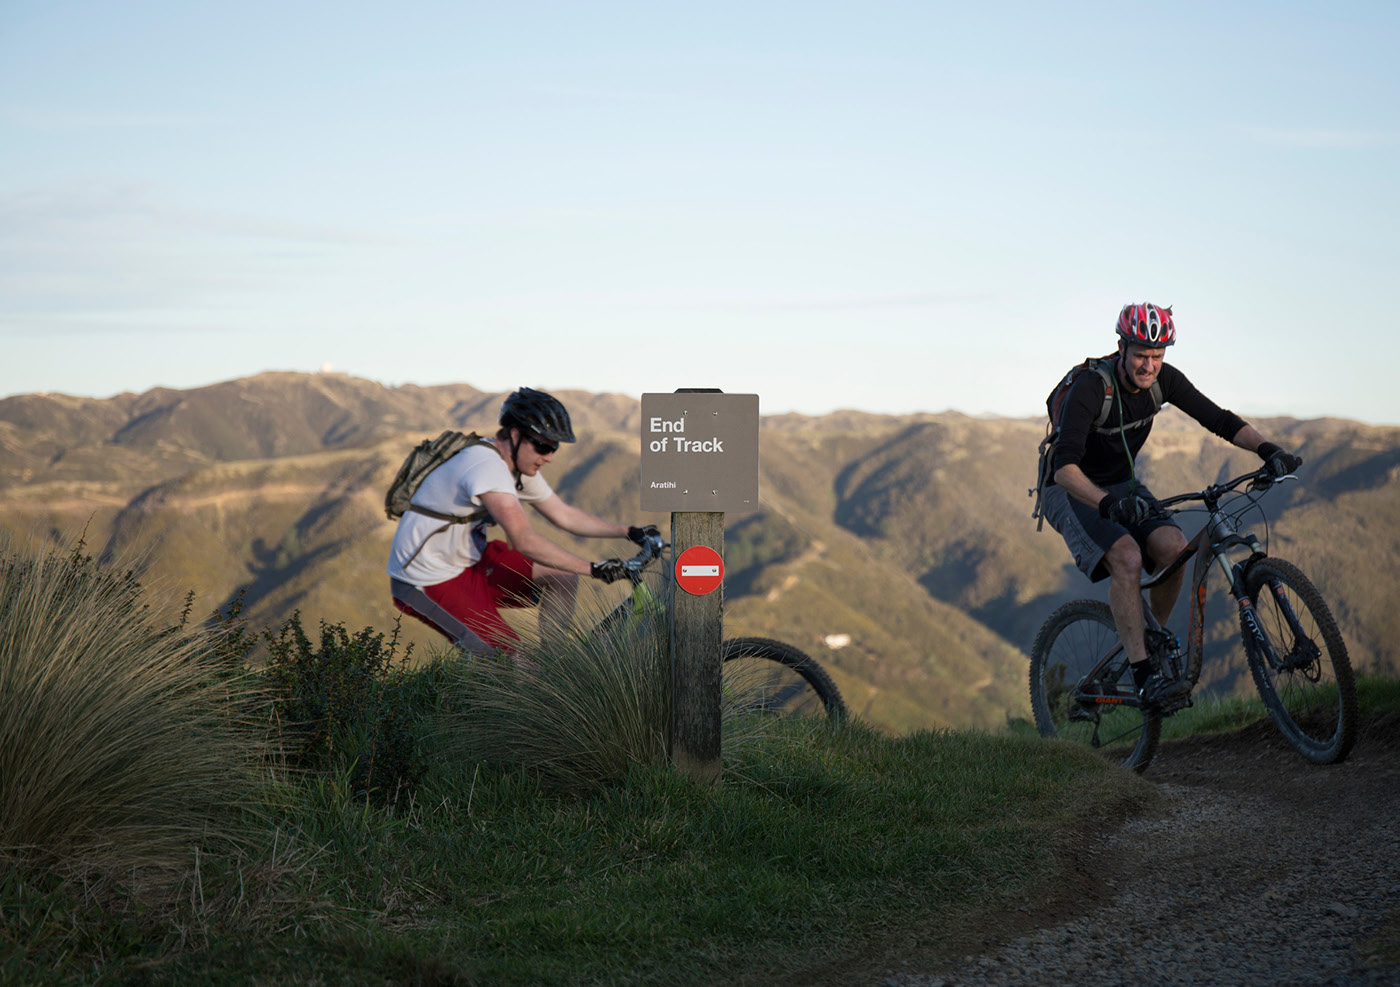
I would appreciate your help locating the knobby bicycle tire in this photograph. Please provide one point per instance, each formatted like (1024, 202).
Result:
(1310, 691)
(1067, 648)
(774, 677)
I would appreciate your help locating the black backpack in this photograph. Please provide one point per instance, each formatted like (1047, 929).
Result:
(1055, 406)
(427, 456)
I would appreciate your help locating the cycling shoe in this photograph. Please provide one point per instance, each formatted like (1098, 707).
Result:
(1160, 690)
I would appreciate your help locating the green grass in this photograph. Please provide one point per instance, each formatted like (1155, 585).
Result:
(1214, 714)
(531, 846)
(1221, 714)
(817, 845)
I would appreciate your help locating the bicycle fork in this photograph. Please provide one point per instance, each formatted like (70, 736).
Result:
(1249, 613)
(1303, 653)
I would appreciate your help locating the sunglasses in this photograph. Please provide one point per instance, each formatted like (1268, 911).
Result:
(543, 446)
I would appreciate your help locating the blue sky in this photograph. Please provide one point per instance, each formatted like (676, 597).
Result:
(887, 206)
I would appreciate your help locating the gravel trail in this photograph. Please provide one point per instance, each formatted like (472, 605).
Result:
(1264, 869)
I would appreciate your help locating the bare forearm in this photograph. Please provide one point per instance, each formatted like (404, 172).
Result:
(537, 548)
(1079, 486)
(1248, 438)
(582, 524)
(589, 526)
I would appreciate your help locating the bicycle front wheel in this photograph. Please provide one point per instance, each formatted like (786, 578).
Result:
(1300, 662)
(767, 676)
(1082, 689)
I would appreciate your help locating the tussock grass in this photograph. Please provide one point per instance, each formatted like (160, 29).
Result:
(580, 709)
(119, 736)
(575, 708)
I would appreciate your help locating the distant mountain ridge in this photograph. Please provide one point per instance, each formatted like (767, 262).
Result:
(899, 550)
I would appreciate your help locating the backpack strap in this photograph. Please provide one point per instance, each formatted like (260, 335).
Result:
(1101, 367)
(475, 515)
(472, 440)
(451, 519)
(1104, 367)
(1043, 473)
(1109, 383)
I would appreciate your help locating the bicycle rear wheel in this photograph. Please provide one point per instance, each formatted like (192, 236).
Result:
(1301, 669)
(1068, 648)
(771, 677)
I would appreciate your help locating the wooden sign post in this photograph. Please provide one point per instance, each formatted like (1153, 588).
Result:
(697, 627)
(699, 459)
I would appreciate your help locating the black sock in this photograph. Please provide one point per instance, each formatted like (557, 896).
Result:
(1142, 671)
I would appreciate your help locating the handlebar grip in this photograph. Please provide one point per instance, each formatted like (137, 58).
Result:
(650, 549)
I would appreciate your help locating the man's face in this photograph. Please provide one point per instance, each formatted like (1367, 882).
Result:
(1141, 365)
(528, 457)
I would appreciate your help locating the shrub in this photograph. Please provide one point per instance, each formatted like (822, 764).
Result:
(120, 740)
(347, 704)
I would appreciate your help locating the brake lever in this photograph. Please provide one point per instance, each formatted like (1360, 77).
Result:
(650, 549)
(1263, 481)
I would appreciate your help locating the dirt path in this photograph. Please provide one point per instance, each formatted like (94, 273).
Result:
(1264, 869)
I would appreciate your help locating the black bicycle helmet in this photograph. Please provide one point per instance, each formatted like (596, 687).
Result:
(537, 413)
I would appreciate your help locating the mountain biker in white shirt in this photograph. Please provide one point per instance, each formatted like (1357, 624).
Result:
(453, 578)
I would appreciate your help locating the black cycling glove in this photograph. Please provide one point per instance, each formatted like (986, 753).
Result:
(609, 570)
(1126, 511)
(642, 533)
(1278, 462)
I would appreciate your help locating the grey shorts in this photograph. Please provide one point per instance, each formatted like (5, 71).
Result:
(1089, 536)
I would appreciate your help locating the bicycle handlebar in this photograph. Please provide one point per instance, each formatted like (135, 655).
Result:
(1260, 479)
(651, 549)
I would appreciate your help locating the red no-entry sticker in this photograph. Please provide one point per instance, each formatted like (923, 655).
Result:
(699, 570)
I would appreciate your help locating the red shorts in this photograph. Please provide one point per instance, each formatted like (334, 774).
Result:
(501, 578)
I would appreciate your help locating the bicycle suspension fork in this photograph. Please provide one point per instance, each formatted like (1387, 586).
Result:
(1224, 537)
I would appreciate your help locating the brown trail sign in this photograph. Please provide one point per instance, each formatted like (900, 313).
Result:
(699, 459)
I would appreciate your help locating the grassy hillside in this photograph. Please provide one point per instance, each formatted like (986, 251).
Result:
(899, 550)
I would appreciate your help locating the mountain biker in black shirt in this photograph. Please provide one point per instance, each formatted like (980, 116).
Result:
(1111, 522)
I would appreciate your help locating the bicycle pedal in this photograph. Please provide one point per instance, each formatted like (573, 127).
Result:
(1176, 705)
(1082, 714)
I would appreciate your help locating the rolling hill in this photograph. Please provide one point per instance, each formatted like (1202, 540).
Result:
(899, 550)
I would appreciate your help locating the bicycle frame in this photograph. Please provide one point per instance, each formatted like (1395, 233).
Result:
(1220, 542)
(642, 603)
(1080, 684)
(791, 674)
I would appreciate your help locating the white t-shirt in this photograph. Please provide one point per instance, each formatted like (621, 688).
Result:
(455, 487)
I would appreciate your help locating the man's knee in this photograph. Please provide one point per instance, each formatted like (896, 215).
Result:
(556, 577)
(556, 584)
(1124, 558)
(1167, 541)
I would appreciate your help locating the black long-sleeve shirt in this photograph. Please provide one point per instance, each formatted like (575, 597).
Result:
(1107, 457)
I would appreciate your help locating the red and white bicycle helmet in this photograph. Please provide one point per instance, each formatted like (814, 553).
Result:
(1147, 325)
